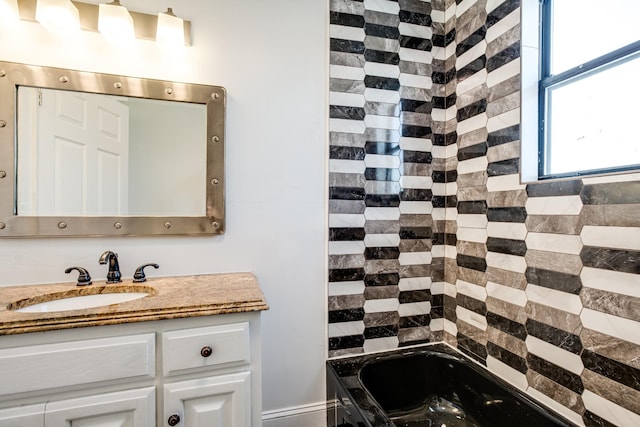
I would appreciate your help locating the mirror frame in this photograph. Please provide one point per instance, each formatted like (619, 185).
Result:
(13, 75)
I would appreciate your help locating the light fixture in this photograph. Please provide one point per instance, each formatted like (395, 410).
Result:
(9, 13)
(58, 16)
(170, 30)
(115, 23)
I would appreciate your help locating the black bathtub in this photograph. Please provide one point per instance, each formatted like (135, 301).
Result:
(428, 386)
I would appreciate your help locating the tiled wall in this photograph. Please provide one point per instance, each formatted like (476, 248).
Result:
(434, 238)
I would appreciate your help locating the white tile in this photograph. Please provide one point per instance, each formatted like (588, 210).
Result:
(471, 317)
(565, 359)
(414, 258)
(463, 6)
(414, 30)
(346, 166)
(383, 6)
(615, 414)
(442, 189)
(618, 327)
(556, 299)
(505, 293)
(438, 114)
(611, 237)
(552, 404)
(504, 183)
(471, 290)
(507, 230)
(347, 126)
(382, 214)
(436, 325)
(561, 243)
(473, 123)
(381, 95)
(346, 220)
(611, 281)
(346, 33)
(415, 144)
(472, 82)
(382, 122)
(504, 120)
(506, 262)
(414, 308)
(413, 80)
(450, 289)
(478, 235)
(381, 240)
(344, 329)
(382, 161)
(408, 181)
(416, 207)
(503, 73)
(346, 248)
(344, 72)
(503, 25)
(346, 288)
(381, 305)
(440, 152)
(449, 327)
(437, 288)
(507, 373)
(478, 164)
(473, 221)
(622, 177)
(561, 205)
(450, 252)
(415, 283)
(414, 55)
(382, 70)
(380, 344)
(492, 4)
(471, 55)
(346, 99)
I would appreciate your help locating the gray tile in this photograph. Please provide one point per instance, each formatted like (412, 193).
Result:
(556, 224)
(504, 104)
(615, 392)
(508, 278)
(381, 227)
(503, 199)
(344, 302)
(618, 305)
(472, 138)
(346, 206)
(381, 292)
(555, 391)
(381, 319)
(611, 215)
(347, 139)
(346, 261)
(557, 318)
(611, 347)
(346, 59)
(504, 88)
(554, 261)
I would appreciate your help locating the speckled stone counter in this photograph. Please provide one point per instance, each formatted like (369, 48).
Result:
(169, 298)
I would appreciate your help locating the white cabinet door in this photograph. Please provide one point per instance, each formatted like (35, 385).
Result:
(131, 408)
(221, 401)
(23, 416)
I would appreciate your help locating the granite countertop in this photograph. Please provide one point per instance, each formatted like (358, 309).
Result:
(169, 298)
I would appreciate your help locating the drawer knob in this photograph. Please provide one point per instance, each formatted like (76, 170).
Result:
(206, 351)
(173, 420)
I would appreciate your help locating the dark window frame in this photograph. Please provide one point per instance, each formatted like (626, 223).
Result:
(549, 82)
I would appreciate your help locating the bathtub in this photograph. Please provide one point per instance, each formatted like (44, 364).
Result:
(428, 386)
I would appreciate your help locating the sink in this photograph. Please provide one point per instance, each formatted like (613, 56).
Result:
(80, 299)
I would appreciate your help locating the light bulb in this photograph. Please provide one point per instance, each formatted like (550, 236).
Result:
(58, 16)
(170, 31)
(115, 23)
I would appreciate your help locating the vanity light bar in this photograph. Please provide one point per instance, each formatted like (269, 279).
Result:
(145, 25)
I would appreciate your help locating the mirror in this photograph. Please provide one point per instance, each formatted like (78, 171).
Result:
(87, 154)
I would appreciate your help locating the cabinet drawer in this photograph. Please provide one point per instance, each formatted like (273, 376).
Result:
(206, 347)
(72, 363)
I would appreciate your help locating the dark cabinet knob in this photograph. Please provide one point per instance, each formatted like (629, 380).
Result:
(173, 420)
(206, 351)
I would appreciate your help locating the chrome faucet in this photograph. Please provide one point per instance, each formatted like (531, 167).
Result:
(113, 275)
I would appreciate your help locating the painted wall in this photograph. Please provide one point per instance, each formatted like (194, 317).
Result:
(270, 56)
(539, 282)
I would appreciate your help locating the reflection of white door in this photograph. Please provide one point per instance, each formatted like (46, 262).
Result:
(81, 153)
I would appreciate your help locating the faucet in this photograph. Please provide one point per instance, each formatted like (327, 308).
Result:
(113, 276)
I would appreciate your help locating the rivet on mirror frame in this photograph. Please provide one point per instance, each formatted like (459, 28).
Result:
(3, 174)
(215, 181)
(215, 225)
(215, 96)
(215, 139)
(168, 91)
(64, 79)
(3, 73)
(167, 224)
(62, 225)
(2, 123)
(117, 225)
(117, 85)
(2, 225)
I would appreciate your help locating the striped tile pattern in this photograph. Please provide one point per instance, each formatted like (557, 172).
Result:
(433, 235)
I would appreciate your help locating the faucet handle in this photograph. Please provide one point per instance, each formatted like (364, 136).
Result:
(84, 278)
(139, 276)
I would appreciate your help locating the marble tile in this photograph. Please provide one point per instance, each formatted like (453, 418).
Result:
(611, 347)
(616, 193)
(508, 278)
(506, 294)
(610, 215)
(557, 224)
(553, 261)
(609, 411)
(549, 315)
(555, 391)
(625, 261)
(613, 391)
(607, 302)
(607, 324)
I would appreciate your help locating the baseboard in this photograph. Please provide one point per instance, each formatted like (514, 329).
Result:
(312, 415)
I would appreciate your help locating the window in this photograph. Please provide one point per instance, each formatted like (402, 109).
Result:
(588, 112)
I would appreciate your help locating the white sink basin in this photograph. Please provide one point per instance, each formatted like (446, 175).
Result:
(81, 302)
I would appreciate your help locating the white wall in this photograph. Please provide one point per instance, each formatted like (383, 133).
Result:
(270, 56)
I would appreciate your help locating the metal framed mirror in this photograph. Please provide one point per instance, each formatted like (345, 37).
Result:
(89, 154)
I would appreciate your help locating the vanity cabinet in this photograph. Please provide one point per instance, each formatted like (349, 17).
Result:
(189, 372)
